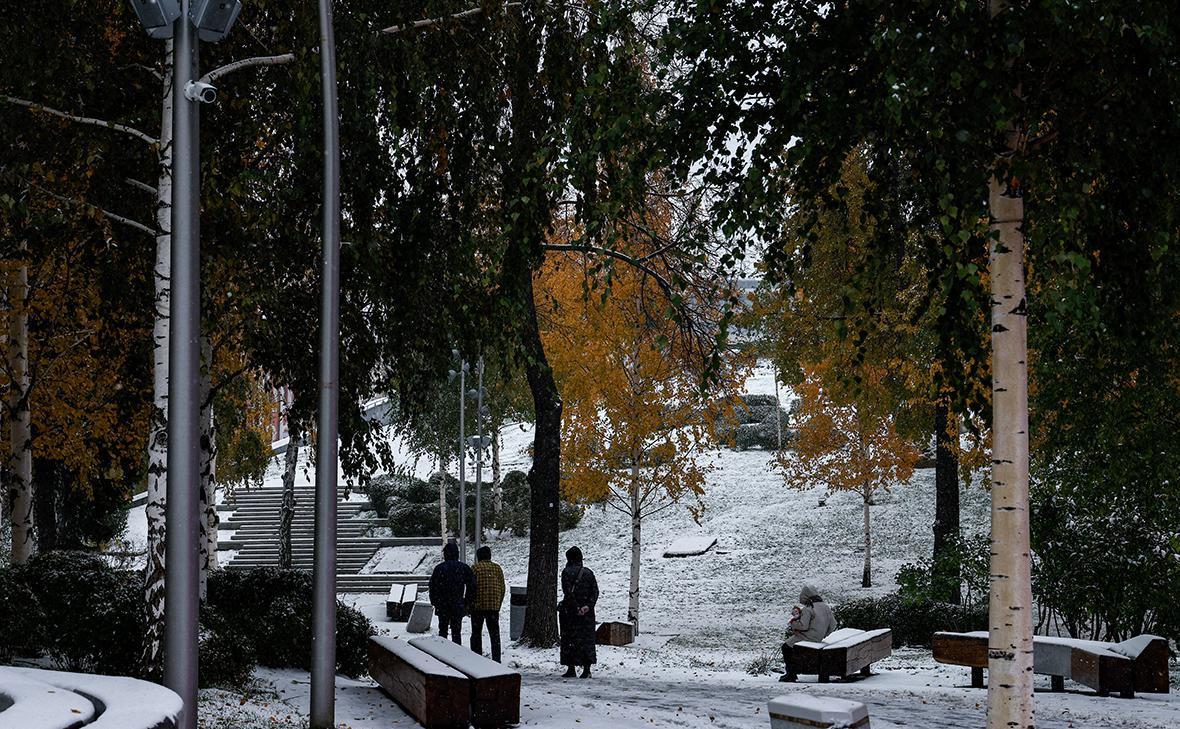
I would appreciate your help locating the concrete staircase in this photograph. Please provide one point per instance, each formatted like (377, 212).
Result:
(250, 525)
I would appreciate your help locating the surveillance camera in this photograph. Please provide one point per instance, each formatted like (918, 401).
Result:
(200, 91)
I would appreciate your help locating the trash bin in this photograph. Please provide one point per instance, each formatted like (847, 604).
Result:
(518, 598)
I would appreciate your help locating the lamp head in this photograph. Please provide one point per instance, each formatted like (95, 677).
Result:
(157, 16)
(214, 18)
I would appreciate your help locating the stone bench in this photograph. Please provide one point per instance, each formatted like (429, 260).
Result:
(495, 690)
(843, 653)
(803, 711)
(400, 602)
(432, 692)
(1138, 664)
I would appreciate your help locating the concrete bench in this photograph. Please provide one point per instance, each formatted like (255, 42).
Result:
(34, 698)
(802, 711)
(400, 602)
(495, 690)
(432, 692)
(843, 653)
(1138, 664)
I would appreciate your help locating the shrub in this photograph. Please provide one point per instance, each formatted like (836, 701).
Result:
(272, 608)
(912, 623)
(22, 621)
(514, 513)
(93, 615)
(414, 520)
(964, 564)
(755, 425)
(227, 655)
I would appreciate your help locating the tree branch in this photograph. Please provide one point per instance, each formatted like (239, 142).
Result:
(141, 186)
(247, 63)
(82, 119)
(431, 22)
(112, 216)
(618, 255)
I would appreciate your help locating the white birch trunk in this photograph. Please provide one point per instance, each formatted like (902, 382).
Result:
(497, 488)
(157, 471)
(636, 541)
(20, 458)
(1010, 646)
(866, 579)
(287, 510)
(208, 496)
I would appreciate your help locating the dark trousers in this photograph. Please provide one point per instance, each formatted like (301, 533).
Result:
(787, 656)
(492, 618)
(453, 623)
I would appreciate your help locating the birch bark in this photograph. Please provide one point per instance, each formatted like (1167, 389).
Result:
(287, 510)
(157, 471)
(636, 537)
(20, 460)
(1010, 647)
(1010, 642)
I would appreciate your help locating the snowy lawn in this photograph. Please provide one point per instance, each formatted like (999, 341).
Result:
(707, 619)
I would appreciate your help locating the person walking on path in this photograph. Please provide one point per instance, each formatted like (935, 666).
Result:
(814, 622)
(489, 596)
(452, 588)
(575, 615)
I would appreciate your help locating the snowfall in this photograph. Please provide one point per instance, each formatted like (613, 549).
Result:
(711, 624)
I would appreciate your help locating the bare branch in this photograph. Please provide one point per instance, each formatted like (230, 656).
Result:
(141, 186)
(107, 213)
(82, 119)
(247, 63)
(431, 22)
(618, 255)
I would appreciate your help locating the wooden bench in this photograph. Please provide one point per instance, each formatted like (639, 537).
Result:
(843, 653)
(400, 602)
(1138, 664)
(495, 690)
(435, 694)
(615, 633)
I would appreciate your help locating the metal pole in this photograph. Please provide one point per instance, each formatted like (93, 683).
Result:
(478, 451)
(462, 465)
(323, 640)
(181, 601)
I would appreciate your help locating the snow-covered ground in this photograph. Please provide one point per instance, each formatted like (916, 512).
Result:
(705, 620)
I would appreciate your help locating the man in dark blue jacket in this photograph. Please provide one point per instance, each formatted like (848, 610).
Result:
(452, 588)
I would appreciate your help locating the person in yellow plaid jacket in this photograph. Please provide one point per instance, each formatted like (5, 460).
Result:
(489, 596)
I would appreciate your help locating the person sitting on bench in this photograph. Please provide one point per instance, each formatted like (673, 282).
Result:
(814, 623)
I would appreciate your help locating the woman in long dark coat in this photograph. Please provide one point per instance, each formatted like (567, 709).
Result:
(576, 615)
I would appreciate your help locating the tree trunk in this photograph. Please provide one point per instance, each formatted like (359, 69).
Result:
(157, 468)
(540, 620)
(287, 510)
(1010, 649)
(208, 478)
(50, 483)
(20, 442)
(636, 524)
(946, 487)
(497, 489)
(866, 579)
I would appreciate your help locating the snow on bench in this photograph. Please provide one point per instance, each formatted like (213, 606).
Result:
(495, 690)
(800, 711)
(111, 702)
(1138, 664)
(432, 692)
(690, 546)
(843, 653)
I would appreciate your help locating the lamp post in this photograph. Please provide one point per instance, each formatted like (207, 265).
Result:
(186, 23)
(478, 442)
(461, 374)
(323, 638)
